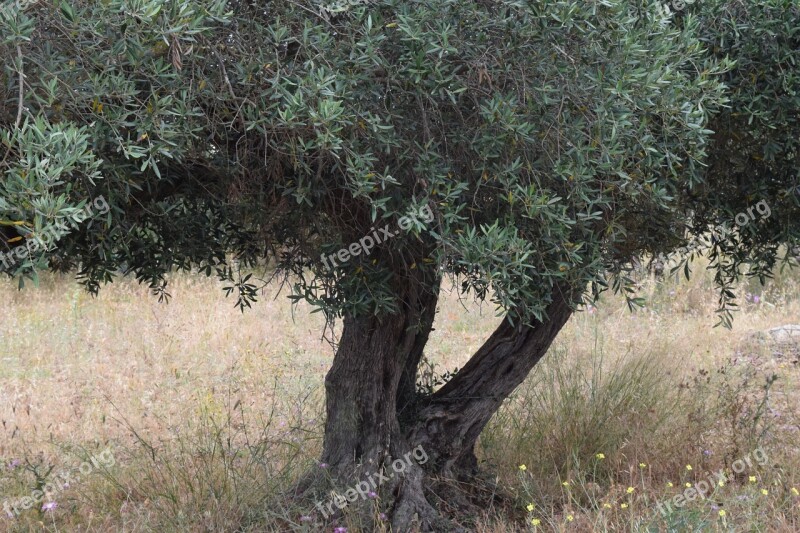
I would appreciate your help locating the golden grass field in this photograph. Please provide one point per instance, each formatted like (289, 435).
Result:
(210, 414)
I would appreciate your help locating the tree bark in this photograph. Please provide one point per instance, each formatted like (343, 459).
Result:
(375, 417)
(407, 397)
(372, 379)
(449, 426)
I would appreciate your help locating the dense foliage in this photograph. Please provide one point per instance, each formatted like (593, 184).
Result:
(551, 142)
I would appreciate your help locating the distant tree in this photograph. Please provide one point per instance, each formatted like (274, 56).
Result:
(535, 149)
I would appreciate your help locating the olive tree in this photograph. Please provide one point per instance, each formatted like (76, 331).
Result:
(531, 152)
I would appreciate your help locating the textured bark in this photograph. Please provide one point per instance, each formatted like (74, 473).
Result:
(363, 386)
(407, 397)
(449, 426)
(372, 377)
(374, 415)
(361, 389)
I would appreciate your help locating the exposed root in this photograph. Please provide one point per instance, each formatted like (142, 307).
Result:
(412, 510)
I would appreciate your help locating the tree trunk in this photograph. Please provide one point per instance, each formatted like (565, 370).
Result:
(407, 397)
(451, 422)
(372, 380)
(374, 416)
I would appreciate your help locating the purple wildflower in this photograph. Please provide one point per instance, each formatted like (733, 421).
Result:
(49, 506)
(306, 519)
(372, 494)
(340, 530)
(14, 463)
(323, 465)
(383, 516)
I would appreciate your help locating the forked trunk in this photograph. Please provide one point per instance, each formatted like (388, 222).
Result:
(375, 421)
(453, 419)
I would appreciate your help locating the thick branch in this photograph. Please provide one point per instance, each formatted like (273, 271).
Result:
(407, 389)
(460, 410)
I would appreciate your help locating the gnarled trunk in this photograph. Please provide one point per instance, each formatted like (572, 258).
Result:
(372, 379)
(374, 416)
(450, 424)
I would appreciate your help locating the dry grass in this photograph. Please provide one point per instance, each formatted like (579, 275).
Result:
(211, 414)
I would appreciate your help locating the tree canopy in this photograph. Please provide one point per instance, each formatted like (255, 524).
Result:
(552, 141)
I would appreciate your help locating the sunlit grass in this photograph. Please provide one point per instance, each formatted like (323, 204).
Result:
(212, 415)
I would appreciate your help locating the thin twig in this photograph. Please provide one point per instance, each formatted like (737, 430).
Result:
(225, 74)
(20, 99)
(21, 88)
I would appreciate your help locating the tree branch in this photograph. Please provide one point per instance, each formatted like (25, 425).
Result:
(21, 88)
